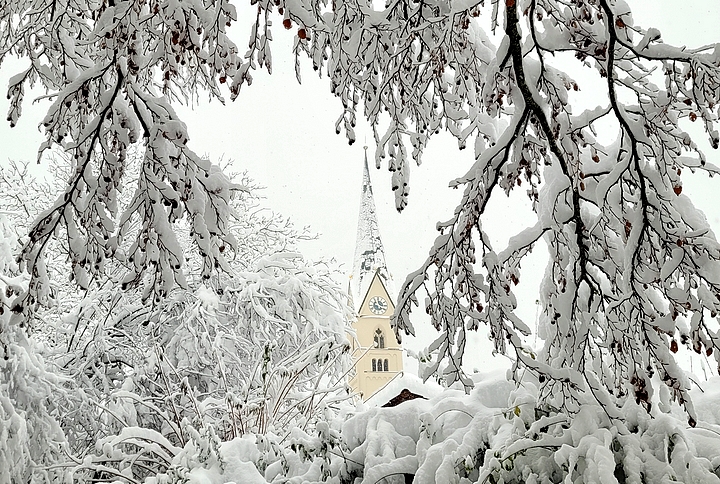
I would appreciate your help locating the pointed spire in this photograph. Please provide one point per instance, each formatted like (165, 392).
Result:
(369, 252)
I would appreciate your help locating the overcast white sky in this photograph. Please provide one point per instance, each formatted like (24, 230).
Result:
(284, 135)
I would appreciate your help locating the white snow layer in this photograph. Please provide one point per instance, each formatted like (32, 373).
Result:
(239, 465)
(497, 430)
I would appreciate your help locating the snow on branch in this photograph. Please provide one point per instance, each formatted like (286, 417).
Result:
(632, 267)
(112, 71)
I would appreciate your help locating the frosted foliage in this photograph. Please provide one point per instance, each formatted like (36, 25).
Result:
(267, 354)
(30, 436)
(633, 271)
(113, 72)
(495, 434)
(270, 338)
(632, 275)
(261, 348)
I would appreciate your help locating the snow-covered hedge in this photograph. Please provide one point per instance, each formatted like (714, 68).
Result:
(499, 433)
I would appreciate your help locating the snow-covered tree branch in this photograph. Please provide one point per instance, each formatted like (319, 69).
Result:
(112, 71)
(632, 262)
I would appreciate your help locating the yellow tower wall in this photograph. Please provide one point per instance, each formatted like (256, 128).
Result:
(366, 381)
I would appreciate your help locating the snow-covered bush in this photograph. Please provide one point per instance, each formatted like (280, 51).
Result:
(260, 349)
(264, 355)
(498, 433)
(31, 440)
(502, 433)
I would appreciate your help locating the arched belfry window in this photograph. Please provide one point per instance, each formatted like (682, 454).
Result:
(385, 365)
(374, 365)
(379, 338)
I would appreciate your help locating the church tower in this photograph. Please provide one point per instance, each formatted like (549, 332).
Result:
(376, 353)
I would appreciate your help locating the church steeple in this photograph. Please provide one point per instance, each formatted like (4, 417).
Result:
(377, 354)
(369, 252)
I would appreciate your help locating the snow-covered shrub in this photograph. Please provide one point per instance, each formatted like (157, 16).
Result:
(262, 348)
(502, 433)
(266, 355)
(499, 433)
(31, 440)
(271, 347)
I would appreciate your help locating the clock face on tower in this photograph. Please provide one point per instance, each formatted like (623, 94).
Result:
(378, 305)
